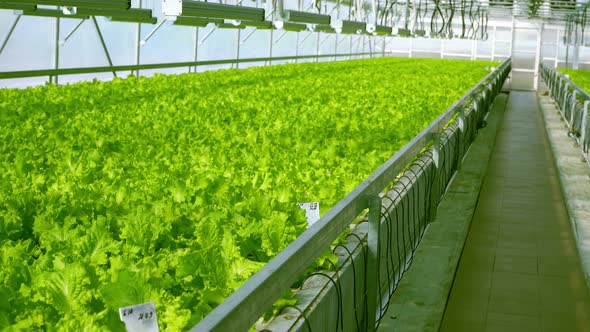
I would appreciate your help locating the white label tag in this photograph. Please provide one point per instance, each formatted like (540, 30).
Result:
(312, 211)
(140, 317)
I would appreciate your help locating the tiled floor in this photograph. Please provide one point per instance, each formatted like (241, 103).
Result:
(520, 269)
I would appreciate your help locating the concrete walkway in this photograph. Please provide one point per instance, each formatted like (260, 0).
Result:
(519, 270)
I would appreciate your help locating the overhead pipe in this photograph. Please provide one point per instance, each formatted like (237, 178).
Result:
(282, 15)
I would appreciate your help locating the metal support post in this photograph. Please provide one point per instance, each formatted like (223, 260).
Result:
(556, 50)
(137, 41)
(461, 123)
(564, 102)
(350, 50)
(317, 51)
(583, 130)
(512, 36)
(573, 110)
(538, 56)
(435, 190)
(56, 59)
(270, 47)
(336, 47)
(104, 45)
(196, 51)
(238, 43)
(9, 33)
(374, 253)
(567, 54)
(297, 47)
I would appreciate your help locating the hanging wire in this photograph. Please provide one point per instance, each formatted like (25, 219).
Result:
(417, 16)
(584, 12)
(354, 299)
(403, 208)
(451, 8)
(365, 258)
(301, 314)
(336, 283)
(434, 19)
(463, 5)
(387, 11)
(485, 35)
(470, 33)
(424, 14)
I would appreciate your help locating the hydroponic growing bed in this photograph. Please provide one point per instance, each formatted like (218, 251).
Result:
(580, 77)
(176, 189)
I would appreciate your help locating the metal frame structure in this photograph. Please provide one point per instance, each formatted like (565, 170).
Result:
(134, 68)
(212, 24)
(343, 22)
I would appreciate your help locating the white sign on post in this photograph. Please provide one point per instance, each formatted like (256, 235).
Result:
(312, 211)
(140, 317)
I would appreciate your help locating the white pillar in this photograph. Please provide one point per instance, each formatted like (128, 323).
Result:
(538, 56)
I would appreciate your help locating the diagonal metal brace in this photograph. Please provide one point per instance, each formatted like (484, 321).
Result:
(144, 41)
(248, 36)
(9, 33)
(207, 35)
(304, 39)
(325, 39)
(63, 42)
(280, 37)
(104, 45)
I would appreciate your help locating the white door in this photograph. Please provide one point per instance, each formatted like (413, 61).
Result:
(526, 46)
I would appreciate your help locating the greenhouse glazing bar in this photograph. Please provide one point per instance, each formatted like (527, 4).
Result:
(243, 307)
(103, 69)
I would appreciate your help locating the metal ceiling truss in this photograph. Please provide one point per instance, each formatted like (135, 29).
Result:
(467, 19)
(431, 18)
(372, 17)
(116, 10)
(341, 19)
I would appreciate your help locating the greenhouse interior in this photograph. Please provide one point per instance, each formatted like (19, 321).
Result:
(309, 165)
